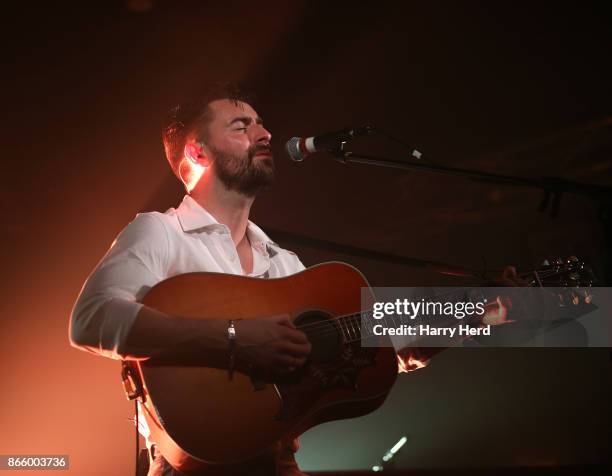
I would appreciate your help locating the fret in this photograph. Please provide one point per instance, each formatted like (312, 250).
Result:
(352, 323)
(364, 323)
(355, 330)
(342, 329)
(357, 326)
(348, 328)
(367, 322)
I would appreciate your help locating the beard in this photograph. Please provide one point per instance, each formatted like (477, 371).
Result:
(244, 173)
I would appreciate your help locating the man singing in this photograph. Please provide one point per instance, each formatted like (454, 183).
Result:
(220, 150)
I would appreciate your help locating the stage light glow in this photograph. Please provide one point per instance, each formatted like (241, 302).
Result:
(190, 173)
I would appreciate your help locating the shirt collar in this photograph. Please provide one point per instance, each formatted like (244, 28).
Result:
(193, 216)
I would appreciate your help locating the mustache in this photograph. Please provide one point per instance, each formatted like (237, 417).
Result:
(256, 149)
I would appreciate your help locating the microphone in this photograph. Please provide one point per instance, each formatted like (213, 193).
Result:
(299, 148)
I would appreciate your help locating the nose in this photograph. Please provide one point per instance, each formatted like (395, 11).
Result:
(262, 134)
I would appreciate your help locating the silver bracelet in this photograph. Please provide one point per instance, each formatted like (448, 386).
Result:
(231, 340)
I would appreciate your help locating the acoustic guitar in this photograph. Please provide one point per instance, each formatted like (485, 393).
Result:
(199, 417)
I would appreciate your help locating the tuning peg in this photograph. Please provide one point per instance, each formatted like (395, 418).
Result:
(575, 299)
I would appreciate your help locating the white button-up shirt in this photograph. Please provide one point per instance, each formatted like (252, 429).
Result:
(153, 247)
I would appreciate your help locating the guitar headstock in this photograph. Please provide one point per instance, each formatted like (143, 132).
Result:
(570, 273)
(562, 273)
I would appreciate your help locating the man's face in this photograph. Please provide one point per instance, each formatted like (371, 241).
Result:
(239, 146)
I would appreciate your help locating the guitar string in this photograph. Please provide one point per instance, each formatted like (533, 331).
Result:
(325, 327)
(357, 313)
(349, 326)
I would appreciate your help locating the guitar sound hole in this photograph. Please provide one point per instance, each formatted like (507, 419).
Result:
(323, 333)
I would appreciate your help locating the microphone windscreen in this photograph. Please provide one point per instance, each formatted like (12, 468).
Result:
(293, 149)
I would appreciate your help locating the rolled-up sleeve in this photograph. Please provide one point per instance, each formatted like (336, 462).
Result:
(108, 303)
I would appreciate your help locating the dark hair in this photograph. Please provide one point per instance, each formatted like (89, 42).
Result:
(192, 117)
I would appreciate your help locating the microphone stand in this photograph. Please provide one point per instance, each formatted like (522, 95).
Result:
(547, 184)
(552, 187)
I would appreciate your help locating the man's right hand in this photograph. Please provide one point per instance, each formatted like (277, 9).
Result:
(272, 345)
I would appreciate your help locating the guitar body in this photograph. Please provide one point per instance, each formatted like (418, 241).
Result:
(198, 417)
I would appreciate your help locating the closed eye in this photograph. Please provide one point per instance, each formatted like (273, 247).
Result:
(245, 121)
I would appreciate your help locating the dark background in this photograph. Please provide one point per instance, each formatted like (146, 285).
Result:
(505, 87)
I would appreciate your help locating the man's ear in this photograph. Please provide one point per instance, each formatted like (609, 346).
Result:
(195, 153)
